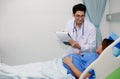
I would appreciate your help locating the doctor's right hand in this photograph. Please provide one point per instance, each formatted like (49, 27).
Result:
(74, 44)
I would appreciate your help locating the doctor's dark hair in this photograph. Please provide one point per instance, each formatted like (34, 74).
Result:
(79, 7)
(106, 42)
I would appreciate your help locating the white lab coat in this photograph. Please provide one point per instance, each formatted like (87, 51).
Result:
(86, 38)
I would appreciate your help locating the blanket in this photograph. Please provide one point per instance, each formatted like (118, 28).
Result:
(52, 69)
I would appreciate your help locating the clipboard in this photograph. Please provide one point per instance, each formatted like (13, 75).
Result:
(64, 37)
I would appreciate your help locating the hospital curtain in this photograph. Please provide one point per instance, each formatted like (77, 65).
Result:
(95, 10)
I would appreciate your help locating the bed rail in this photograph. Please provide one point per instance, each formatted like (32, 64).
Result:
(105, 64)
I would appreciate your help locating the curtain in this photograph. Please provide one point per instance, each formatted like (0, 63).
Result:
(95, 11)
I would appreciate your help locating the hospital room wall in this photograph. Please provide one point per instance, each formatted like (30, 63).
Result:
(107, 27)
(115, 8)
(27, 29)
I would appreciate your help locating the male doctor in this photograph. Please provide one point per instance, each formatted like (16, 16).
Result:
(83, 32)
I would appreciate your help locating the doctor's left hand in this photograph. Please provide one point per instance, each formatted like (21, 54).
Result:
(74, 44)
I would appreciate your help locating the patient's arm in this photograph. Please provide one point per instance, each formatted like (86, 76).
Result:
(76, 72)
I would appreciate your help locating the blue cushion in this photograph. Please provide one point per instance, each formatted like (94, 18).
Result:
(113, 36)
(116, 49)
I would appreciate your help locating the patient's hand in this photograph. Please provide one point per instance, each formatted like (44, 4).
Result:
(68, 61)
(78, 52)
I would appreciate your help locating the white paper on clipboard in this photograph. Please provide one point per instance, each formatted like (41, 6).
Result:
(63, 36)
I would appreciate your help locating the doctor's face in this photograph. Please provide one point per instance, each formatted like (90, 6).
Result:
(79, 17)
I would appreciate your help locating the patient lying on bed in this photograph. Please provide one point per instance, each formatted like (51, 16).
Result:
(69, 67)
(77, 63)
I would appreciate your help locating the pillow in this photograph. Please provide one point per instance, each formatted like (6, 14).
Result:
(116, 49)
(113, 36)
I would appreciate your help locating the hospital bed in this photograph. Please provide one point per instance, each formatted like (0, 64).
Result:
(105, 64)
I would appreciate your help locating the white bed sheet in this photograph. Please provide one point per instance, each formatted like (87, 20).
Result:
(52, 69)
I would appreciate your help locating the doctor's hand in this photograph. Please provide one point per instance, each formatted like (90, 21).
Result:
(74, 44)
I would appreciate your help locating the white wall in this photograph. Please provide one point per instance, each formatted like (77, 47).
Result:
(27, 29)
(106, 26)
(114, 8)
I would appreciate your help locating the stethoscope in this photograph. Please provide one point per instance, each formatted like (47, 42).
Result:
(75, 29)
